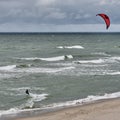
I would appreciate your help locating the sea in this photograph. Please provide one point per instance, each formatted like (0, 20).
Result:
(58, 69)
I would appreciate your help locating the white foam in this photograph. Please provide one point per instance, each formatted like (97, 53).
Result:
(38, 97)
(20, 91)
(100, 53)
(57, 58)
(30, 103)
(7, 75)
(113, 73)
(71, 47)
(89, 99)
(43, 70)
(18, 71)
(115, 58)
(32, 99)
(69, 56)
(8, 67)
(24, 88)
(91, 61)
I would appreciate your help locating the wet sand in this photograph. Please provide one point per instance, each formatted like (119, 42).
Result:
(101, 110)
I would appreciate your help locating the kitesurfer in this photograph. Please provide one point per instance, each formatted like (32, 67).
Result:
(27, 92)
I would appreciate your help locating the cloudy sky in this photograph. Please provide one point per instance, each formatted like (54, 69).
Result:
(58, 15)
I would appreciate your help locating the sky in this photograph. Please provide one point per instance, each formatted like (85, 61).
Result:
(58, 15)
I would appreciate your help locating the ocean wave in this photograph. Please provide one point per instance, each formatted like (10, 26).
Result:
(20, 91)
(38, 97)
(44, 70)
(32, 99)
(7, 75)
(113, 73)
(28, 106)
(15, 70)
(8, 67)
(90, 61)
(89, 99)
(101, 53)
(71, 47)
(11, 67)
(115, 59)
(24, 88)
(23, 65)
(51, 59)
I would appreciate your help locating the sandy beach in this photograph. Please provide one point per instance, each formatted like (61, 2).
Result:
(101, 110)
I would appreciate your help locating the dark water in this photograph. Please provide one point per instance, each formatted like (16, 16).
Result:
(57, 68)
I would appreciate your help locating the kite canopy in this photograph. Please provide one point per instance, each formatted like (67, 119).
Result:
(106, 19)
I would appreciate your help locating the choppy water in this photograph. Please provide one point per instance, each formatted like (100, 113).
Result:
(58, 69)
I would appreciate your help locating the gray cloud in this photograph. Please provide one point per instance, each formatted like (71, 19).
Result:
(57, 12)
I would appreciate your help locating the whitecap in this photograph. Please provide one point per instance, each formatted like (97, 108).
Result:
(71, 47)
(44, 70)
(32, 98)
(100, 53)
(90, 61)
(113, 73)
(8, 67)
(30, 103)
(50, 59)
(38, 97)
(89, 99)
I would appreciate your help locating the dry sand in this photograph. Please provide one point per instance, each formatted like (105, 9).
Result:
(102, 110)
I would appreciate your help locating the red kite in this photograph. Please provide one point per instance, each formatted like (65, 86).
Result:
(106, 19)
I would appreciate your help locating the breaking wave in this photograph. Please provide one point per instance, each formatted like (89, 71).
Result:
(90, 61)
(101, 60)
(89, 99)
(51, 59)
(8, 67)
(35, 70)
(11, 67)
(71, 47)
(28, 106)
(100, 54)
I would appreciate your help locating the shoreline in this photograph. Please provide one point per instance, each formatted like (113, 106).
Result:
(98, 110)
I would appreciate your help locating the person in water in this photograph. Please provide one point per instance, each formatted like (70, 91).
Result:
(27, 92)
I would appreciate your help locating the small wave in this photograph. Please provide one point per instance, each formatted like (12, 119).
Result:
(115, 58)
(90, 61)
(12, 72)
(45, 70)
(89, 99)
(11, 67)
(113, 73)
(20, 91)
(71, 47)
(38, 97)
(100, 53)
(7, 75)
(24, 88)
(32, 99)
(51, 59)
(10, 111)
(8, 67)
(23, 65)
(28, 106)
